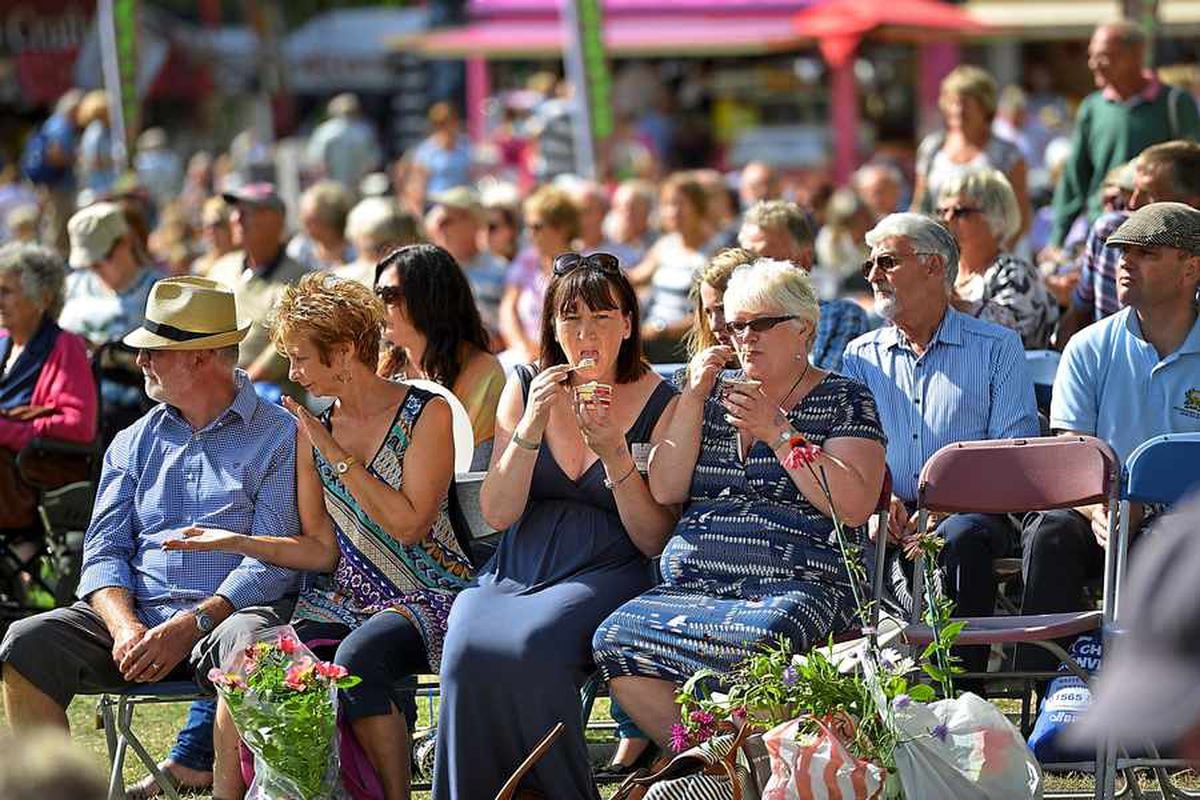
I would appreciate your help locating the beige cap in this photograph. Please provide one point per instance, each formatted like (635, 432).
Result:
(188, 314)
(93, 232)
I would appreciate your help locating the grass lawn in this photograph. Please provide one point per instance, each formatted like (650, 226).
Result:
(157, 724)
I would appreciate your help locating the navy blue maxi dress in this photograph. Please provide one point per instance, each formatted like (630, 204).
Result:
(518, 647)
(750, 559)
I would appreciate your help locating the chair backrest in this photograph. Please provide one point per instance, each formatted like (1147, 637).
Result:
(1042, 365)
(1015, 475)
(1163, 469)
(464, 434)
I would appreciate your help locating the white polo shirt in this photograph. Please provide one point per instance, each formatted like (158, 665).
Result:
(1112, 384)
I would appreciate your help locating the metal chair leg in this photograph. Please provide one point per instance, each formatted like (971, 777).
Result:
(126, 723)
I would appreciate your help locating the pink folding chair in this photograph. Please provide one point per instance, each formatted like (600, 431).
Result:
(1015, 476)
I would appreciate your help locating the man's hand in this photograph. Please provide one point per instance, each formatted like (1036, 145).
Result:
(124, 638)
(1098, 516)
(160, 649)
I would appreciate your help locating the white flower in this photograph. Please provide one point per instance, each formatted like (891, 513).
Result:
(799, 660)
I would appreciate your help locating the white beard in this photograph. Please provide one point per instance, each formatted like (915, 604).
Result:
(885, 305)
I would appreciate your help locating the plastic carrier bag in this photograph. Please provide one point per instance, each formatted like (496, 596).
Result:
(806, 766)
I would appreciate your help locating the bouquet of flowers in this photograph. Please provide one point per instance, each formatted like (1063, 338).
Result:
(284, 704)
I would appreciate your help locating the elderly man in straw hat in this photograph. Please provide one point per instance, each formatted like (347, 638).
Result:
(211, 453)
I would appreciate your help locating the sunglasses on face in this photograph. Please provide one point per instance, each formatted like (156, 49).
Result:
(758, 325)
(886, 262)
(957, 212)
(535, 227)
(390, 295)
(569, 262)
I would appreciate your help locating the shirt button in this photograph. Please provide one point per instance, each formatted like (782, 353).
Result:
(914, 437)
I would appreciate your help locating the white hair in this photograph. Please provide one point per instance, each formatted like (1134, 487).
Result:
(773, 283)
(377, 218)
(994, 194)
(926, 234)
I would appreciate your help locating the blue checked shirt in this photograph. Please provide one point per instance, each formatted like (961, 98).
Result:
(238, 473)
(842, 321)
(970, 383)
(1096, 291)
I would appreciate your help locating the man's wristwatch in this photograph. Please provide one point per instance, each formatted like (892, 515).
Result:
(204, 622)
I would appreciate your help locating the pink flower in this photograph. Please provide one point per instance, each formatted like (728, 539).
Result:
(802, 453)
(738, 714)
(679, 738)
(299, 674)
(215, 676)
(706, 724)
(230, 680)
(288, 644)
(331, 671)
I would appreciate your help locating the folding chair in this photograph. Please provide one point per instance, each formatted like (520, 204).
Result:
(1160, 470)
(114, 712)
(1012, 476)
(1043, 366)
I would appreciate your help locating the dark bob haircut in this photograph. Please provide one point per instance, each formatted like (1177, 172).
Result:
(600, 290)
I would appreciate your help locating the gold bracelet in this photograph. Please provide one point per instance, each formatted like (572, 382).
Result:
(614, 484)
(524, 444)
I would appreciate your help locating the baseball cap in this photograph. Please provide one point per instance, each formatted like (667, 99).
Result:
(93, 231)
(1149, 689)
(462, 197)
(260, 195)
(1174, 225)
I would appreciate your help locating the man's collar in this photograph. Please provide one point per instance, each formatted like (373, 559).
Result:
(265, 271)
(1148, 94)
(245, 402)
(1134, 325)
(948, 331)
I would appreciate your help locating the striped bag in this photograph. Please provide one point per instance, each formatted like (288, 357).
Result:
(720, 769)
(818, 768)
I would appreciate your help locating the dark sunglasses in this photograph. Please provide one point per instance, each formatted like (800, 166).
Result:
(390, 295)
(958, 212)
(569, 262)
(886, 262)
(758, 325)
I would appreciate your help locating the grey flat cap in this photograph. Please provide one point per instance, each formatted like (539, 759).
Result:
(1174, 225)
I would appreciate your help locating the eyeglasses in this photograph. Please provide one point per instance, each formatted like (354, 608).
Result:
(390, 295)
(957, 212)
(888, 262)
(535, 227)
(758, 325)
(569, 262)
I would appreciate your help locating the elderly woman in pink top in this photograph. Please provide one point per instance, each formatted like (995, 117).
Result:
(46, 385)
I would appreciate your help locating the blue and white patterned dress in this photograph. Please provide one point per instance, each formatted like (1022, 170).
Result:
(751, 559)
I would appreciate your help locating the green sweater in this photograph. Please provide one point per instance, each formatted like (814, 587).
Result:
(1108, 134)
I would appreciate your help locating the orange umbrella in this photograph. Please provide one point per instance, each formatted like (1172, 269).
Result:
(839, 25)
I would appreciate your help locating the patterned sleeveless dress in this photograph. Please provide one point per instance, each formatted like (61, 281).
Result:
(377, 573)
(750, 559)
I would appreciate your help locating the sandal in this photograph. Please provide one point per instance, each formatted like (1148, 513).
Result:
(148, 787)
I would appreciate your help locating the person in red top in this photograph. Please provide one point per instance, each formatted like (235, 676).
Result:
(46, 384)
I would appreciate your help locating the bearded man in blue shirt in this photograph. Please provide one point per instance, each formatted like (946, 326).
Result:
(210, 454)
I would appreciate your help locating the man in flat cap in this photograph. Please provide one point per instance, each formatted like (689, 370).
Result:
(211, 453)
(1127, 378)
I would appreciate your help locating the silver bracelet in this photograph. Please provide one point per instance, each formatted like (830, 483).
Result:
(610, 485)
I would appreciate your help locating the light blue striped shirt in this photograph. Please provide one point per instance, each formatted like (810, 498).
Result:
(970, 383)
(237, 473)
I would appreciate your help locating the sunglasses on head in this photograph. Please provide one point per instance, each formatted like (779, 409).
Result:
(389, 294)
(758, 325)
(886, 262)
(569, 262)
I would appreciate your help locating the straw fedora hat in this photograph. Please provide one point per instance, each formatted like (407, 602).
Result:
(188, 314)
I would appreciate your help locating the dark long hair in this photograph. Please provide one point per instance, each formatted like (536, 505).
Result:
(439, 303)
(599, 290)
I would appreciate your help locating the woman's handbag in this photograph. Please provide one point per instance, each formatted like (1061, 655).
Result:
(718, 769)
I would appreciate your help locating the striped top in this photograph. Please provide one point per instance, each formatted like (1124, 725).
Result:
(970, 383)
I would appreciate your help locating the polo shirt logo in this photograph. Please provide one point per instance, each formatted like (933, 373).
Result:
(1191, 402)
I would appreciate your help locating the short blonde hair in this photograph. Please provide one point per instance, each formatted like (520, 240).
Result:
(994, 194)
(716, 273)
(556, 208)
(330, 312)
(330, 202)
(775, 284)
(973, 82)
